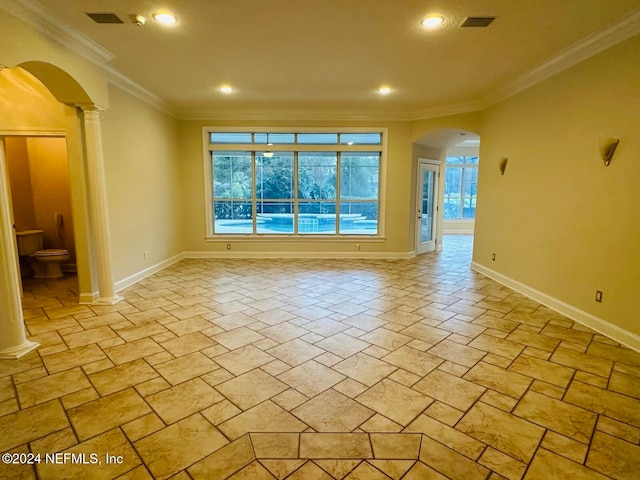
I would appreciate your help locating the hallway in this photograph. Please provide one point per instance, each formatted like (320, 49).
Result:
(318, 369)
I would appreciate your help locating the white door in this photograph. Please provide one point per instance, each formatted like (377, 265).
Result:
(427, 206)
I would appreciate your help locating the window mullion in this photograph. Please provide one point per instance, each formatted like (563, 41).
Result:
(254, 191)
(295, 192)
(338, 160)
(461, 213)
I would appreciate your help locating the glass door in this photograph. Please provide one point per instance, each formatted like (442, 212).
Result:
(427, 206)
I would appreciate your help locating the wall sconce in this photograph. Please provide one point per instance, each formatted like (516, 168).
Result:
(503, 165)
(609, 151)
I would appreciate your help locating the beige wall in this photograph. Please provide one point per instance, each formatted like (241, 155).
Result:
(49, 169)
(143, 170)
(16, 156)
(27, 105)
(559, 221)
(39, 176)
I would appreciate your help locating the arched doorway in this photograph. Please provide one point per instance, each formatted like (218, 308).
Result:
(434, 148)
(40, 99)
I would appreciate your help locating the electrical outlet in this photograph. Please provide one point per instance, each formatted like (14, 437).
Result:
(146, 254)
(599, 296)
(228, 246)
(493, 257)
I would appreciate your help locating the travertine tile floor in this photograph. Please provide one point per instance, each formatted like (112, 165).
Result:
(318, 369)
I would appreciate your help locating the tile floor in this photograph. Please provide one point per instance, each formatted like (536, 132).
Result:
(317, 369)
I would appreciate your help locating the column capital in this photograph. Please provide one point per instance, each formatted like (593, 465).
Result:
(90, 107)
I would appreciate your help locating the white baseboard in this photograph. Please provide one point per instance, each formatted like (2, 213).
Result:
(136, 277)
(618, 334)
(356, 254)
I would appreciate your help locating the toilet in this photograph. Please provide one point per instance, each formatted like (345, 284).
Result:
(45, 263)
(48, 262)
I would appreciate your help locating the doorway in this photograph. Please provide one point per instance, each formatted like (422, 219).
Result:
(40, 202)
(427, 205)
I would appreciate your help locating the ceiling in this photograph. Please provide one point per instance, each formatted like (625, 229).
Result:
(326, 58)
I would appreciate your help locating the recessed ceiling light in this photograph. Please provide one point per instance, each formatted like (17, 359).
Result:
(384, 90)
(164, 18)
(432, 21)
(226, 89)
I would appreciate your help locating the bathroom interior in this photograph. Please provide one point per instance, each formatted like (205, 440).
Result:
(38, 173)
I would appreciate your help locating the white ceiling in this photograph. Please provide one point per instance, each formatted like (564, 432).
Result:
(288, 58)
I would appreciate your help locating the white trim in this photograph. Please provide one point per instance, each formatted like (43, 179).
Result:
(615, 33)
(620, 335)
(209, 147)
(136, 277)
(290, 237)
(458, 227)
(33, 133)
(312, 115)
(336, 255)
(14, 353)
(427, 164)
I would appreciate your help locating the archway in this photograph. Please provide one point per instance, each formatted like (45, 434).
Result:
(434, 146)
(40, 99)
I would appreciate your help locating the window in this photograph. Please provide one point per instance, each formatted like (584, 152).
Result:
(460, 188)
(309, 183)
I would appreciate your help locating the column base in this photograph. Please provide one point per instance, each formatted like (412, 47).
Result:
(14, 353)
(106, 301)
(87, 298)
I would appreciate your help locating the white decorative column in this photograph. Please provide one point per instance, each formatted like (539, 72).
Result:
(13, 340)
(97, 187)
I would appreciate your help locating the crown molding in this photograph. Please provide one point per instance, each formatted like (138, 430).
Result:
(315, 115)
(447, 110)
(32, 13)
(123, 82)
(297, 115)
(617, 32)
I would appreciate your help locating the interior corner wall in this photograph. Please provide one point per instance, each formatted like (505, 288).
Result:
(142, 167)
(560, 221)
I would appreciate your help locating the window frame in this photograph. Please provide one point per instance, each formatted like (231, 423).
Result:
(209, 148)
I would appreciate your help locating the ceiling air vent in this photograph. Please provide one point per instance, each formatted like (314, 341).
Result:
(104, 17)
(477, 21)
